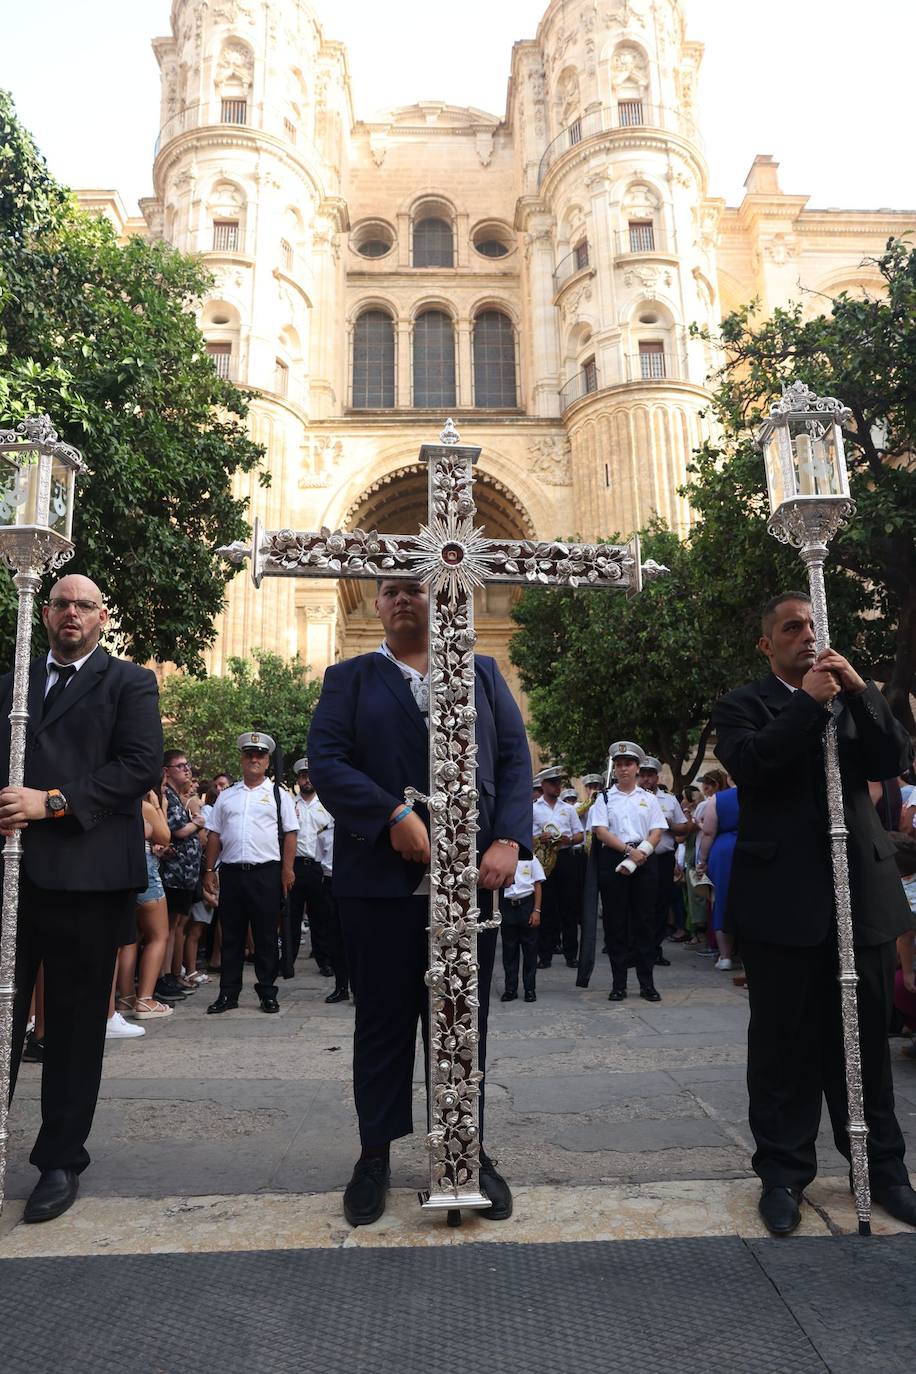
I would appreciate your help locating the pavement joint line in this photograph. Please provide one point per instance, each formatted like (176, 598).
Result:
(671, 1209)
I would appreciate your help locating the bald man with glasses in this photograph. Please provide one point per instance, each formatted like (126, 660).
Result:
(93, 751)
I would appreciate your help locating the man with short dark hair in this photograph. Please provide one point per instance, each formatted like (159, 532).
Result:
(93, 750)
(369, 741)
(781, 906)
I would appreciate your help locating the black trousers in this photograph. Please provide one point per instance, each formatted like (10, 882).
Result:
(795, 1058)
(249, 895)
(664, 869)
(560, 911)
(388, 954)
(338, 952)
(628, 911)
(76, 936)
(518, 937)
(309, 894)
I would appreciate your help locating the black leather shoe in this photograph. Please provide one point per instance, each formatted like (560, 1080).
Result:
(780, 1209)
(544, 963)
(650, 994)
(617, 994)
(340, 994)
(54, 1192)
(33, 1049)
(662, 962)
(509, 997)
(269, 1004)
(572, 963)
(364, 1197)
(495, 1187)
(223, 1003)
(900, 1201)
(531, 997)
(325, 970)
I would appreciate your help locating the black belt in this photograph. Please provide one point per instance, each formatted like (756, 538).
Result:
(246, 868)
(307, 859)
(518, 901)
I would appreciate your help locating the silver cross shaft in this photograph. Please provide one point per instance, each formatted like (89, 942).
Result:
(453, 557)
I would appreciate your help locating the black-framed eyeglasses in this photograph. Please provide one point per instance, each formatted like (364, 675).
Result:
(185, 767)
(60, 603)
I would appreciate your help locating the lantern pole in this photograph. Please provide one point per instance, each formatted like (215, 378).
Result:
(807, 518)
(30, 546)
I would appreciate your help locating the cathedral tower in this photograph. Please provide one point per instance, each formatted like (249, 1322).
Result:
(254, 128)
(620, 249)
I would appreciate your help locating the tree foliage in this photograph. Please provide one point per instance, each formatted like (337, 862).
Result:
(103, 338)
(205, 716)
(598, 668)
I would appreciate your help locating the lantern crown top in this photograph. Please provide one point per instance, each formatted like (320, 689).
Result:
(798, 398)
(36, 434)
(449, 434)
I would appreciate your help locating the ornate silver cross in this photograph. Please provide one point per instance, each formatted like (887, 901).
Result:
(453, 556)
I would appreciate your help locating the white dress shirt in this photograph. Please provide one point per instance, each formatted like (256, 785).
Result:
(313, 820)
(629, 815)
(324, 852)
(561, 816)
(527, 873)
(673, 815)
(245, 818)
(53, 665)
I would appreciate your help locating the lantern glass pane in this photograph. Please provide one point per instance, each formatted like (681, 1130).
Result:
(776, 467)
(816, 455)
(18, 485)
(59, 506)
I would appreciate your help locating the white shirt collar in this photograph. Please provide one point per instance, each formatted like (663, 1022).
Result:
(52, 663)
(409, 672)
(784, 683)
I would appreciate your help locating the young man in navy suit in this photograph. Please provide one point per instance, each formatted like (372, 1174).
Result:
(369, 740)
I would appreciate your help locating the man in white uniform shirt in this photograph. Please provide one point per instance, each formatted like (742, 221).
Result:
(254, 876)
(560, 916)
(310, 891)
(678, 826)
(628, 823)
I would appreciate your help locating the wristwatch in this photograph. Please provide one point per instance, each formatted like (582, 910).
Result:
(55, 803)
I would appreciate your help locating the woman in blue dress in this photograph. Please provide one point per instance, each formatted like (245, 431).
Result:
(715, 850)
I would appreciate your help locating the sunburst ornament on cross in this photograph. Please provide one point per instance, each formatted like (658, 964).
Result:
(454, 557)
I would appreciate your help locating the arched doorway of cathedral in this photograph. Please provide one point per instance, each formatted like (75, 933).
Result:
(397, 503)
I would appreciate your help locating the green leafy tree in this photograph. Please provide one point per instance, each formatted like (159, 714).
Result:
(103, 337)
(863, 351)
(205, 716)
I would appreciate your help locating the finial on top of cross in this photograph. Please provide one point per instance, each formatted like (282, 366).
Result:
(449, 434)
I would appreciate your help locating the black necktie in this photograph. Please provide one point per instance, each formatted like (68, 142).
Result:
(63, 677)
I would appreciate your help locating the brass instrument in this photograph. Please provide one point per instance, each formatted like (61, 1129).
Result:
(547, 847)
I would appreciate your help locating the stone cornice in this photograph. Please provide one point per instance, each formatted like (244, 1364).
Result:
(630, 137)
(229, 136)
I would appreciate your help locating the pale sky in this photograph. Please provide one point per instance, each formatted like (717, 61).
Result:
(822, 85)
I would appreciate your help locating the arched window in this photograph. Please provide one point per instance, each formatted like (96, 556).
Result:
(433, 244)
(373, 360)
(494, 360)
(433, 360)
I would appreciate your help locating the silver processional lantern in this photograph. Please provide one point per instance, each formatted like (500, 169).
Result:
(808, 488)
(37, 489)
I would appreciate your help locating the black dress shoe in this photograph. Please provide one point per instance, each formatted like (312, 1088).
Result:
(340, 994)
(780, 1209)
(364, 1197)
(54, 1192)
(650, 994)
(33, 1049)
(544, 963)
(269, 1004)
(617, 994)
(509, 997)
(325, 970)
(531, 997)
(662, 962)
(900, 1201)
(223, 1003)
(572, 963)
(495, 1187)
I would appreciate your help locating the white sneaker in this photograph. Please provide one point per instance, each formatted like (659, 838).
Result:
(119, 1029)
(724, 965)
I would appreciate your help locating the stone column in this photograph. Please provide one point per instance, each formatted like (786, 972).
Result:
(464, 391)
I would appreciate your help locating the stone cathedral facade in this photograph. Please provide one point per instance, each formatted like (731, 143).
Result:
(533, 274)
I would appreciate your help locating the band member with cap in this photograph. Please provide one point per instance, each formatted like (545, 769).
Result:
(368, 742)
(628, 823)
(556, 829)
(310, 892)
(254, 875)
(678, 826)
(520, 909)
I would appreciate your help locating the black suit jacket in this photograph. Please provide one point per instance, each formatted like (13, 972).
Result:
(771, 741)
(101, 744)
(368, 741)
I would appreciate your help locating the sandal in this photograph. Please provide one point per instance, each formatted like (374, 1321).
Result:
(148, 1009)
(198, 979)
(125, 1005)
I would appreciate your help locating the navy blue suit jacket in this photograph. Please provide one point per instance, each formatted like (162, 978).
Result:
(368, 741)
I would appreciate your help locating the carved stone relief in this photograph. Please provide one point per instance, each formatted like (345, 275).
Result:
(235, 66)
(550, 461)
(321, 455)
